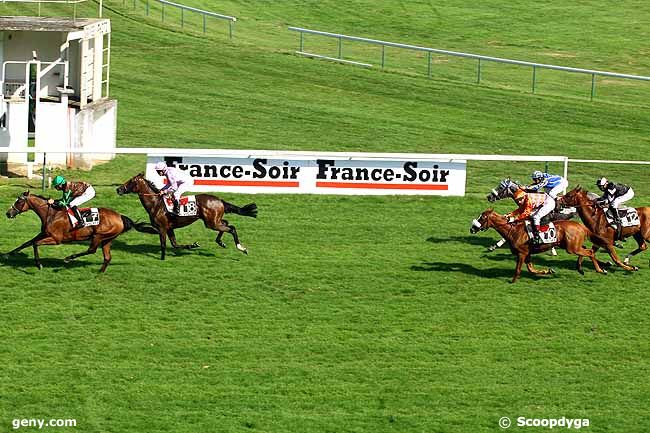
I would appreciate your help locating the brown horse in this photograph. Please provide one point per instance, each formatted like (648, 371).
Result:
(594, 218)
(210, 209)
(570, 236)
(57, 229)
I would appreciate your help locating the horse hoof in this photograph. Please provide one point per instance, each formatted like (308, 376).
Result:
(635, 268)
(626, 260)
(551, 270)
(491, 249)
(196, 245)
(39, 266)
(581, 271)
(221, 244)
(605, 272)
(242, 249)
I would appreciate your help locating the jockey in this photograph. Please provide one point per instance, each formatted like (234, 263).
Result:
(551, 183)
(615, 194)
(533, 205)
(74, 194)
(178, 181)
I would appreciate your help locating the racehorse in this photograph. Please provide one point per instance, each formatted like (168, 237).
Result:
(570, 236)
(594, 218)
(507, 188)
(210, 209)
(56, 228)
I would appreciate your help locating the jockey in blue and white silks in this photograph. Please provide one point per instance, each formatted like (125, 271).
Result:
(552, 184)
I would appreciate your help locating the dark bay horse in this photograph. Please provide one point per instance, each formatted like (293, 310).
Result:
(570, 236)
(57, 229)
(594, 218)
(210, 209)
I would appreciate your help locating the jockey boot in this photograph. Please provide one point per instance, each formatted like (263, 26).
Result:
(619, 223)
(80, 222)
(536, 238)
(177, 206)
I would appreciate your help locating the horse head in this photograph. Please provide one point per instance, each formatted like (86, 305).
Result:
(576, 197)
(20, 205)
(136, 184)
(483, 222)
(505, 189)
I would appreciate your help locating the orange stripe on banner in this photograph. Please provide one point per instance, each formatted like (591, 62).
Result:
(246, 183)
(382, 186)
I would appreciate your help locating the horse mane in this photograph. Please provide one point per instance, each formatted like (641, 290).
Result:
(151, 185)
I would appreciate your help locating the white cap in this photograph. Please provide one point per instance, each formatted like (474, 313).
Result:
(161, 166)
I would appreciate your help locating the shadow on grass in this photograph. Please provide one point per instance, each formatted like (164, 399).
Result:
(153, 250)
(465, 268)
(25, 262)
(469, 239)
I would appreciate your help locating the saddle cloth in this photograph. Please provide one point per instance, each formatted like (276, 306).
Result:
(90, 215)
(547, 233)
(188, 206)
(629, 217)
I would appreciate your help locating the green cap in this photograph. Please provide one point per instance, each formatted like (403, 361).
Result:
(58, 181)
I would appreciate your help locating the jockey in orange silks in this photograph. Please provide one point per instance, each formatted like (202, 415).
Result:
(533, 205)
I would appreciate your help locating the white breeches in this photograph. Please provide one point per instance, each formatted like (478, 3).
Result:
(182, 188)
(88, 194)
(618, 201)
(558, 189)
(543, 210)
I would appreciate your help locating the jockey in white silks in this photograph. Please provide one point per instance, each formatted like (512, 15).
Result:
(178, 182)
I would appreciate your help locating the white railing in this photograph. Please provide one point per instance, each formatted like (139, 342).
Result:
(478, 57)
(204, 14)
(297, 155)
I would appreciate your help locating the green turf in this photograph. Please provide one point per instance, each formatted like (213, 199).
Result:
(351, 314)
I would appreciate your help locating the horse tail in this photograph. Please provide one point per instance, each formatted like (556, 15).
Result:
(140, 227)
(250, 210)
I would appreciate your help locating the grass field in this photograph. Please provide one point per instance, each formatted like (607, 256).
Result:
(351, 314)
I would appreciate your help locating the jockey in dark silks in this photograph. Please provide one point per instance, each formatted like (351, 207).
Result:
(614, 195)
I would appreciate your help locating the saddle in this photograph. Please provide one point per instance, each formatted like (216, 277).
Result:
(629, 217)
(187, 206)
(547, 233)
(90, 216)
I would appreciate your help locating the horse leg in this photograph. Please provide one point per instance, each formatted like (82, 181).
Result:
(219, 241)
(92, 248)
(175, 245)
(520, 262)
(532, 269)
(106, 250)
(49, 240)
(225, 227)
(499, 244)
(638, 237)
(25, 245)
(163, 244)
(612, 253)
(581, 252)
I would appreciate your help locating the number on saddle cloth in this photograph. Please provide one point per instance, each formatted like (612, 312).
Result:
(187, 206)
(89, 215)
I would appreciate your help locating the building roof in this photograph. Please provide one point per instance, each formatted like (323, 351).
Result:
(46, 24)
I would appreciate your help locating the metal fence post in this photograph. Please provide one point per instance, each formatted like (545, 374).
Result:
(534, 77)
(429, 65)
(204, 23)
(147, 8)
(302, 42)
(182, 17)
(593, 86)
(163, 12)
(383, 55)
(340, 47)
(230, 29)
(44, 171)
(478, 73)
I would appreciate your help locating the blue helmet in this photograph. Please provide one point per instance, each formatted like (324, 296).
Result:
(537, 175)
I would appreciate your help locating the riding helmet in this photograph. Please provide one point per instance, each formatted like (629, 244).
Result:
(58, 181)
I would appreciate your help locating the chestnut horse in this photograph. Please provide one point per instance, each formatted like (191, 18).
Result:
(210, 209)
(56, 228)
(594, 218)
(570, 236)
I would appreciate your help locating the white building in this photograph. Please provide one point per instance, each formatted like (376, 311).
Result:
(54, 88)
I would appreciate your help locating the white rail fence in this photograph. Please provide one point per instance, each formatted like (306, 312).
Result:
(430, 51)
(41, 155)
